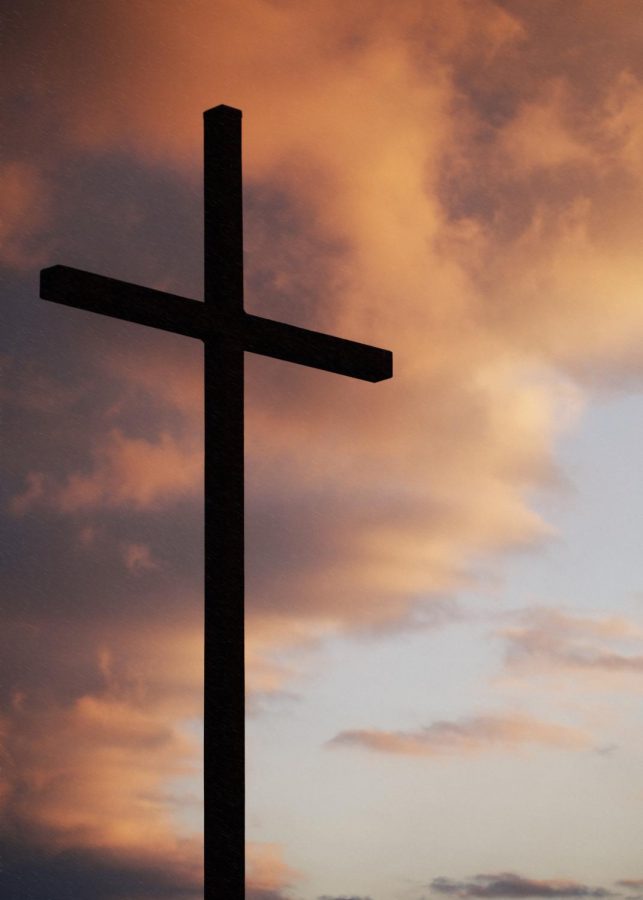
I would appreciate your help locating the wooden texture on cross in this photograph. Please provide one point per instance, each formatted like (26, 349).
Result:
(227, 332)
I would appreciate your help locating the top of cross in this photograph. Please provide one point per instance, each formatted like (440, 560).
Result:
(222, 314)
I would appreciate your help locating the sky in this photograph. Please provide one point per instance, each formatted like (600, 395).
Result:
(444, 606)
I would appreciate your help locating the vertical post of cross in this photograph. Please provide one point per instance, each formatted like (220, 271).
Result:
(224, 797)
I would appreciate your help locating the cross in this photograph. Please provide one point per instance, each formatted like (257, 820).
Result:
(226, 331)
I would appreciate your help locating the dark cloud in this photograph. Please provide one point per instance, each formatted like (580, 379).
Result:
(29, 873)
(508, 884)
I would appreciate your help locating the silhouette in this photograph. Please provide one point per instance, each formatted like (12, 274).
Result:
(227, 331)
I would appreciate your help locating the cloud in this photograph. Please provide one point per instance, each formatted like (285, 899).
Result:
(138, 558)
(37, 874)
(631, 882)
(473, 735)
(343, 897)
(550, 640)
(33, 491)
(128, 472)
(456, 181)
(508, 884)
(538, 137)
(268, 877)
(24, 212)
(346, 219)
(95, 735)
(93, 771)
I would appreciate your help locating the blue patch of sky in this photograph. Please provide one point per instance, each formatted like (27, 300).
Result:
(594, 566)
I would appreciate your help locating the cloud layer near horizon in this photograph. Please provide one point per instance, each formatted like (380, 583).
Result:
(508, 884)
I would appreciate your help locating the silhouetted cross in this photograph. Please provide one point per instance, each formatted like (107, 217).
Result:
(227, 331)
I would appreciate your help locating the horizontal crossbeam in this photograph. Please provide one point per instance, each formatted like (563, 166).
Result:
(157, 309)
(317, 350)
(121, 300)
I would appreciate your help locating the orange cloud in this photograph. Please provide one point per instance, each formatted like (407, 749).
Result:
(548, 641)
(138, 558)
(267, 875)
(483, 733)
(440, 226)
(363, 133)
(96, 773)
(25, 197)
(456, 181)
(128, 472)
(538, 137)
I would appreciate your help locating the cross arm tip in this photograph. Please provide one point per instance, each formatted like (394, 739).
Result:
(377, 364)
(316, 350)
(50, 270)
(385, 369)
(49, 276)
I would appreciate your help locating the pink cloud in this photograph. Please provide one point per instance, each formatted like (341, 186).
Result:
(138, 558)
(267, 875)
(550, 640)
(24, 212)
(479, 734)
(128, 472)
(454, 237)
(94, 773)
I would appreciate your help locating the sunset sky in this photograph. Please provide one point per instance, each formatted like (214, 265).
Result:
(444, 590)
